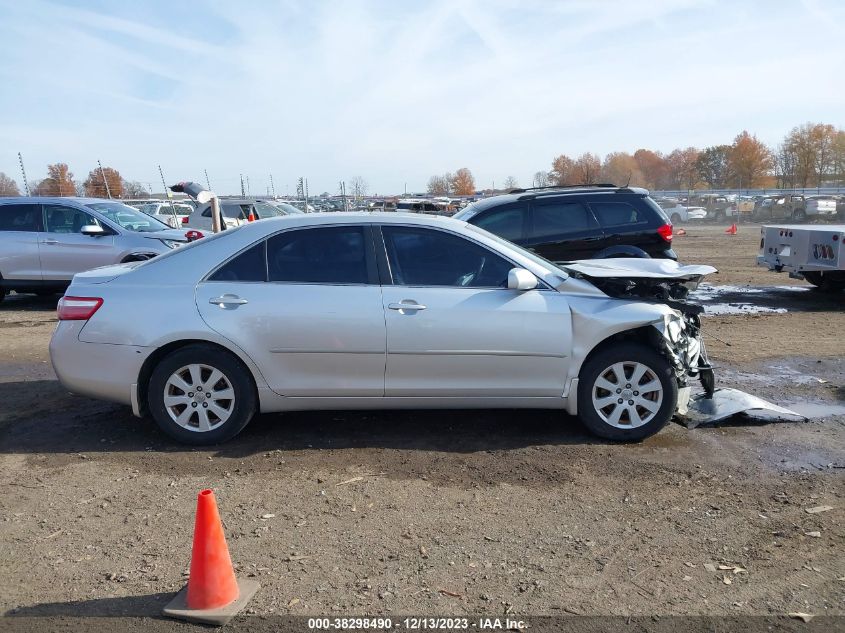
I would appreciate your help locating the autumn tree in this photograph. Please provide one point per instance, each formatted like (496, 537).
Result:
(750, 161)
(463, 184)
(587, 169)
(713, 166)
(440, 185)
(652, 166)
(682, 167)
(59, 182)
(511, 183)
(358, 186)
(96, 188)
(541, 179)
(620, 168)
(798, 144)
(134, 189)
(8, 187)
(839, 155)
(562, 171)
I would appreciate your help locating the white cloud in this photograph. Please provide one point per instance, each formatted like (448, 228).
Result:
(397, 91)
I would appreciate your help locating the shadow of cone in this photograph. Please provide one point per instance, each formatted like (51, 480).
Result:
(680, 232)
(213, 595)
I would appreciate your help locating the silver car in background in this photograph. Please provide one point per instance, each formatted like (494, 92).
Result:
(44, 242)
(365, 311)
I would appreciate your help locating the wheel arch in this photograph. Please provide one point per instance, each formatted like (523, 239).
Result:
(163, 351)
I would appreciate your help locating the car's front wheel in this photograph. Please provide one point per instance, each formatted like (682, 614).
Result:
(201, 395)
(626, 392)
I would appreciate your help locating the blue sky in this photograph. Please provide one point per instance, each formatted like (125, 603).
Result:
(397, 91)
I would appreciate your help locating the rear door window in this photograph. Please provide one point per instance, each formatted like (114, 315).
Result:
(325, 255)
(251, 265)
(561, 219)
(20, 217)
(507, 221)
(616, 216)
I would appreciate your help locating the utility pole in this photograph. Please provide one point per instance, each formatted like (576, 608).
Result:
(105, 182)
(23, 173)
(247, 185)
(166, 192)
(207, 181)
(272, 186)
(306, 195)
(243, 192)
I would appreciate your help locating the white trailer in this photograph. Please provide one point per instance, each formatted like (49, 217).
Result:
(814, 253)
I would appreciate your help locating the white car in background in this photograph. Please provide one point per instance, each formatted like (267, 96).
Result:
(173, 214)
(237, 211)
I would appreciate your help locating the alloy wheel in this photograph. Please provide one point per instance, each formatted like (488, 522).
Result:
(199, 397)
(627, 395)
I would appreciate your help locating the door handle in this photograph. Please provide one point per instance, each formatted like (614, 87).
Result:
(227, 300)
(49, 241)
(406, 306)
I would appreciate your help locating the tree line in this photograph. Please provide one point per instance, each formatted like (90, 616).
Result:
(810, 155)
(60, 181)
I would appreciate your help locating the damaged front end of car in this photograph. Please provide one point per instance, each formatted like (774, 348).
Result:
(668, 283)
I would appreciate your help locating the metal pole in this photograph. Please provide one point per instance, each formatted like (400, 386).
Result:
(23, 173)
(272, 186)
(166, 192)
(216, 222)
(306, 195)
(207, 181)
(247, 186)
(105, 182)
(243, 192)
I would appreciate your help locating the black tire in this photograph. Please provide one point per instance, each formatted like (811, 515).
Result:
(243, 408)
(621, 353)
(826, 282)
(45, 293)
(799, 215)
(719, 216)
(675, 219)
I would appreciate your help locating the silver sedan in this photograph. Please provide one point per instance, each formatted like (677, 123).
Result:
(366, 311)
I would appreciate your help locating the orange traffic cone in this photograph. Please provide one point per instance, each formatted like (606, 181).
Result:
(251, 217)
(732, 230)
(213, 595)
(681, 232)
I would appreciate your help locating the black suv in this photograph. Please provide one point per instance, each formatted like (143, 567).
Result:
(569, 223)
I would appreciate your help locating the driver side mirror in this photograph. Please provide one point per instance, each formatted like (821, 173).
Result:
(521, 279)
(92, 230)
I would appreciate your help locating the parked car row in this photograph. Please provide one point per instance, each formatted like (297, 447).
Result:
(44, 242)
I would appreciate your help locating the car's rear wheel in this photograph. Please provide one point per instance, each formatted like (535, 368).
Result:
(626, 392)
(719, 216)
(201, 395)
(675, 219)
(799, 215)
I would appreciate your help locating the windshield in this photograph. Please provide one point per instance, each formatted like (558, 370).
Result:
(128, 217)
(531, 255)
(287, 208)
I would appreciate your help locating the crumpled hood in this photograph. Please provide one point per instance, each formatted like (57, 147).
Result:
(636, 268)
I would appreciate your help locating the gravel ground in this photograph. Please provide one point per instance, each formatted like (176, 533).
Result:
(447, 513)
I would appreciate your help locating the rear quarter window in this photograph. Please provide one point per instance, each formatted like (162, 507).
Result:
(620, 215)
(19, 217)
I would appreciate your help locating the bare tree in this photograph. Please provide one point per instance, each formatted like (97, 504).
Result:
(8, 187)
(358, 187)
(541, 179)
(511, 183)
(440, 185)
(134, 189)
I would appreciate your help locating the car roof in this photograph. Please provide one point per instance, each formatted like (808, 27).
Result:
(80, 200)
(544, 192)
(353, 217)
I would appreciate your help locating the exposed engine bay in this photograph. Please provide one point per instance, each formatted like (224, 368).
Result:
(660, 281)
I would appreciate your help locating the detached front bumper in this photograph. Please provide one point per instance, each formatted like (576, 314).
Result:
(97, 370)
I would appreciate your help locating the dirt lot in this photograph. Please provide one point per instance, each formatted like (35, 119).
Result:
(447, 513)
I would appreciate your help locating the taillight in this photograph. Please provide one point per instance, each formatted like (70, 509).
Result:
(665, 232)
(78, 308)
(185, 220)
